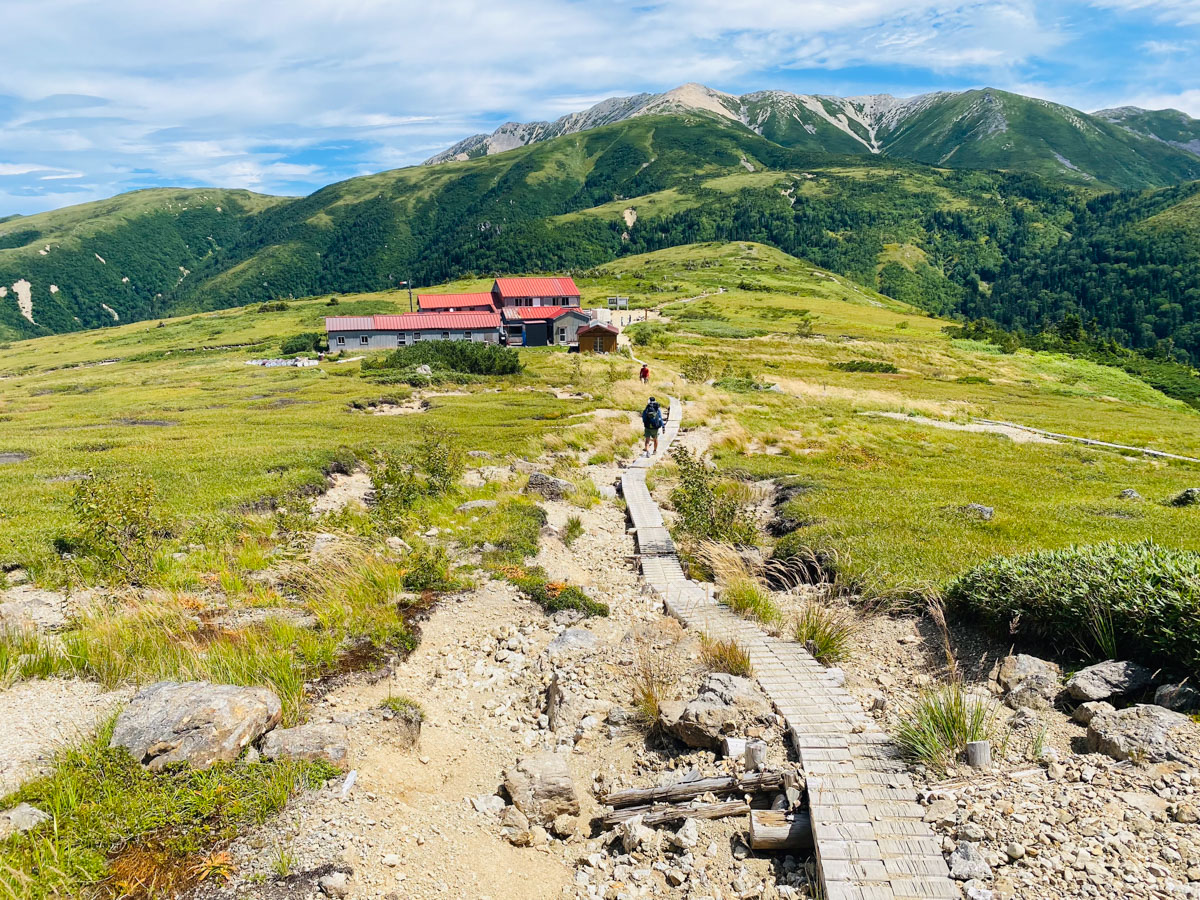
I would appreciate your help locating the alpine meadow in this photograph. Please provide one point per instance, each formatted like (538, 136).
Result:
(701, 495)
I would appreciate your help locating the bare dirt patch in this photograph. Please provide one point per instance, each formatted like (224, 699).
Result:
(1017, 435)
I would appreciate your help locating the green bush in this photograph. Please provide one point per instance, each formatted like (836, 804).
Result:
(1137, 601)
(465, 357)
(431, 468)
(866, 365)
(554, 596)
(939, 724)
(428, 569)
(305, 342)
(117, 525)
(705, 513)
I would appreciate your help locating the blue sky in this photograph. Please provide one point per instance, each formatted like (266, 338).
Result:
(284, 97)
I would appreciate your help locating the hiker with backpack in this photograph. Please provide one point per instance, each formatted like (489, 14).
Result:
(652, 422)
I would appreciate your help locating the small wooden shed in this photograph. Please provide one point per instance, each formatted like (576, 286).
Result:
(598, 337)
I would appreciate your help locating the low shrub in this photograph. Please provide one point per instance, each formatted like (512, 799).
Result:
(866, 365)
(305, 342)
(940, 723)
(725, 656)
(428, 568)
(553, 596)
(705, 512)
(117, 525)
(273, 306)
(466, 357)
(826, 633)
(1140, 600)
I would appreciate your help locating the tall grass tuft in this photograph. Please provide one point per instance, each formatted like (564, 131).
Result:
(725, 656)
(652, 677)
(740, 589)
(939, 724)
(826, 633)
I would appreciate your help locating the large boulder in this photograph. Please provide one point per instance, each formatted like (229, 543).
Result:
(1140, 732)
(194, 722)
(724, 704)
(1187, 497)
(1020, 667)
(1034, 692)
(316, 741)
(968, 864)
(1108, 679)
(548, 486)
(541, 788)
(1180, 697)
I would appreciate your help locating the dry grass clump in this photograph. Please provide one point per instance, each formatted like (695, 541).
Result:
(725, 656)
(826, 633)
(653, 676)
(740, 589)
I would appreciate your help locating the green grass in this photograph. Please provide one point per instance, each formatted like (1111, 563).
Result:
(116, 823)
(725, 656)
(936, 728)
(827, 633)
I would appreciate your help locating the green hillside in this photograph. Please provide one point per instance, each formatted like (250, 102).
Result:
(954, 241)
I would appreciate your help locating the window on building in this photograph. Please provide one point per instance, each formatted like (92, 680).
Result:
(467, 336)
(401, 339)
(445, 335)
(341, 339)
(363, 339)
(598, 343)
(416, 336)
(562, 335)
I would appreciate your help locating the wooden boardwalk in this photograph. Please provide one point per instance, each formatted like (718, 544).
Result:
(871, 841)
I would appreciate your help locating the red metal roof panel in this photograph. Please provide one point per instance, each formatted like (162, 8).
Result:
(599, 326)
(536, 287)
(445, 301)
(349, 323)
(444, 321)
(539, 312)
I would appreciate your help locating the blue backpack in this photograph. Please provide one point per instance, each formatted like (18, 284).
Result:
(652, 416)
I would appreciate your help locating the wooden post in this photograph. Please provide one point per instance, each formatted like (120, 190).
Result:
(774, 830)
(733, 747)
(756, 755)
(979, 754)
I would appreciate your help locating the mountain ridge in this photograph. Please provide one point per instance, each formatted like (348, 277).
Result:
(981, 128)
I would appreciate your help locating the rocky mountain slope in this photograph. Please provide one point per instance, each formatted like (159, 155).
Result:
(986, 128)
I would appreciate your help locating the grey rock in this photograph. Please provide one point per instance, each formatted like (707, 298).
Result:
(687, 836)
(548, 486)
(967, 863)
(541, 787)
(1180, 697)
(572, 640)
(1108, 679)
(1188, 497)
(942, 812)
(479, 454)
(323, 545)
(1034, 692)
(618, 716)
(724, 704)
(1129, 494)
(564, 707)
(475, 504)
(16, 577)
(1019, 667)
(979, 511)
(312, 742)
(423, 370)
(1024, 718)
(1141, 732)
(634, 835)
(514, 825)
(335, 884)
(1085, 712)
(194, 722)
(21, 818)
(26, 606)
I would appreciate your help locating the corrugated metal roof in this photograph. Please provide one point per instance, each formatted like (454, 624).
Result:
(445, 301)
(539, 312)
(536, 287)
(599, 326)
(446, 321)
(349, 323)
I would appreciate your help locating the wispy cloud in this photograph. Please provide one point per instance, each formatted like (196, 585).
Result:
(286, 97)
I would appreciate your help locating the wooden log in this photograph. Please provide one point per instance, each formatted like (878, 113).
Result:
(685, 790)
(771, 829)
(979, 754)
(662, 813)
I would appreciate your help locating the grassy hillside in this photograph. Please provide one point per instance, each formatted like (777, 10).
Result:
(178, 403)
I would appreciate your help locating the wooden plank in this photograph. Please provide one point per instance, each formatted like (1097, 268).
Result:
(758, 782)
(663, 813)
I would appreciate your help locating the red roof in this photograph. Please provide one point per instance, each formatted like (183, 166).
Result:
(535, 287)
(415, 321)
(539, 312)
(447, 301)
(445, 321)
(349, 323)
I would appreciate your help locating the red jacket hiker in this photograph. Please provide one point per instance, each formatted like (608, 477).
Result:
(644, 375)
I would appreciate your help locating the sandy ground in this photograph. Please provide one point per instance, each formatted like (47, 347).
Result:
(1017, 435)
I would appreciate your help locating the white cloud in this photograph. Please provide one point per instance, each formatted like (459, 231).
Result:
(1177, 12)
(279, 96)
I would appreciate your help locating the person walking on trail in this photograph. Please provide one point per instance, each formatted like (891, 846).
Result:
(644, 375)
(652, 422)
